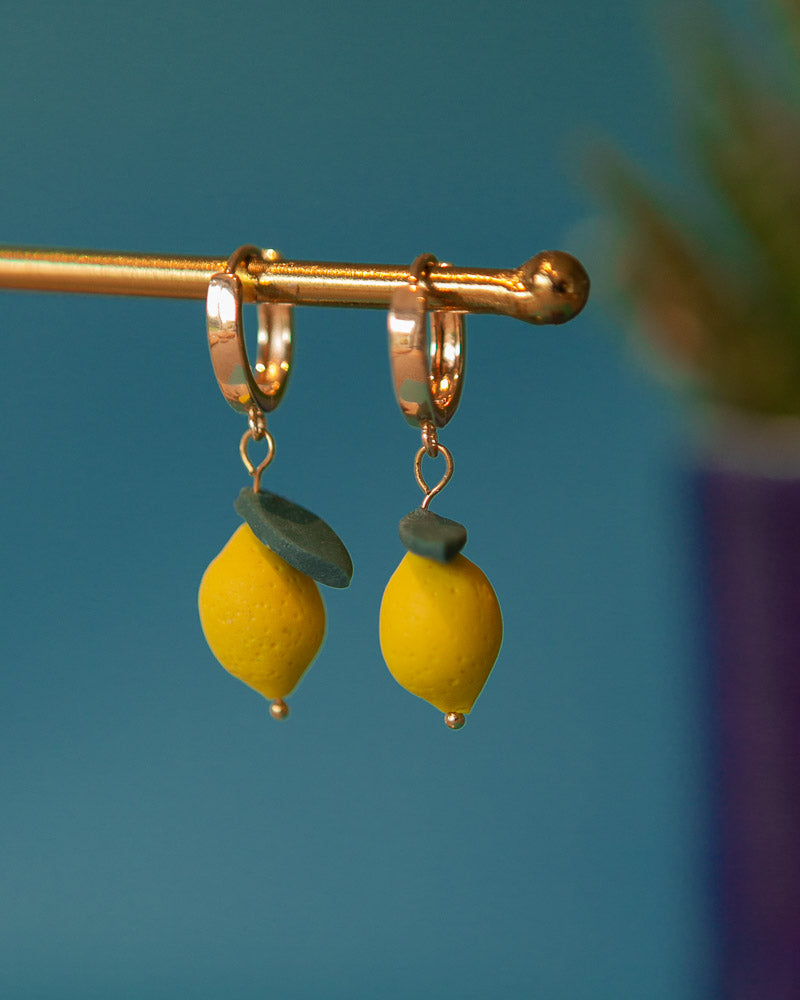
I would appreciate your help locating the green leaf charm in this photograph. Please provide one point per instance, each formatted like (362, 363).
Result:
(431, 536)
(301, 538)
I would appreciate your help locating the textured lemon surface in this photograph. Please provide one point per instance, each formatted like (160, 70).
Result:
(263, 619)
(440, 630)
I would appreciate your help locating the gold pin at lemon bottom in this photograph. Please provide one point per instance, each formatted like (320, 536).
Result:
(454, 720)
(278, 709)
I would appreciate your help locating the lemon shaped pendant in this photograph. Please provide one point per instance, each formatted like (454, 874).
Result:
(263, 619)
(260, 608)
(441, 629)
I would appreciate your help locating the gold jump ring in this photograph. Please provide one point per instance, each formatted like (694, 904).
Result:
(431, 491)
(256, 470)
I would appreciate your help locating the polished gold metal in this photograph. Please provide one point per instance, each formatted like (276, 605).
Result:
(257, 422)
(430, 492)
(430, 438)
(551, 287)
(254, 470)
(278, 709)
(427, 364)
(244, 387)
(454, 720)
(419, 267)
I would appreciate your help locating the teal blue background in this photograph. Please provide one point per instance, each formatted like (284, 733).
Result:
(160, 835)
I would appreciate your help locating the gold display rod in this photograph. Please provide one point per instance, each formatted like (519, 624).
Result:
(551, 287)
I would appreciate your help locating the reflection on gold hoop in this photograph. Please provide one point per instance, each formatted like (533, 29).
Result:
(245, 388)
(427, 370)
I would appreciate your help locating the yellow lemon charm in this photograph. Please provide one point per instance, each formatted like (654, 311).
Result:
(263, 619)
(260, 608)
(440, 631)
(440, 623)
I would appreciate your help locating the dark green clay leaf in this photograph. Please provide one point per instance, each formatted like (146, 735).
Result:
(431, 536)
(304, 540)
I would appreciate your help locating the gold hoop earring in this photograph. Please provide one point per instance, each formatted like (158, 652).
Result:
(260, 607)
(440, 622)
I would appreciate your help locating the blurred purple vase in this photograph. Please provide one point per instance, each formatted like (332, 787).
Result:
(749, 490)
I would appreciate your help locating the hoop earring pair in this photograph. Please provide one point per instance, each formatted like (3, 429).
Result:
(260, 608)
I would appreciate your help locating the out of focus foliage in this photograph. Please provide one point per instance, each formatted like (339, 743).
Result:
(717, 291)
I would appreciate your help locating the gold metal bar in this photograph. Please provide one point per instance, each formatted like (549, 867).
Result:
(552, 287)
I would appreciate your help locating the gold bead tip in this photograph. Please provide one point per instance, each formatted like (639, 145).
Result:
(278, 709)
(557, 288)
(454, 720)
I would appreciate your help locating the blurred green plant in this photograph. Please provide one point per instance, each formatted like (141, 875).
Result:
(718, 290)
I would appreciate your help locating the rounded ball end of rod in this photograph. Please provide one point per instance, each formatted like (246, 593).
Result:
(558, 287)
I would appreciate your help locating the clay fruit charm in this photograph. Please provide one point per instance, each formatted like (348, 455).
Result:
(440, 631)
(263, 619)
(261, 611)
